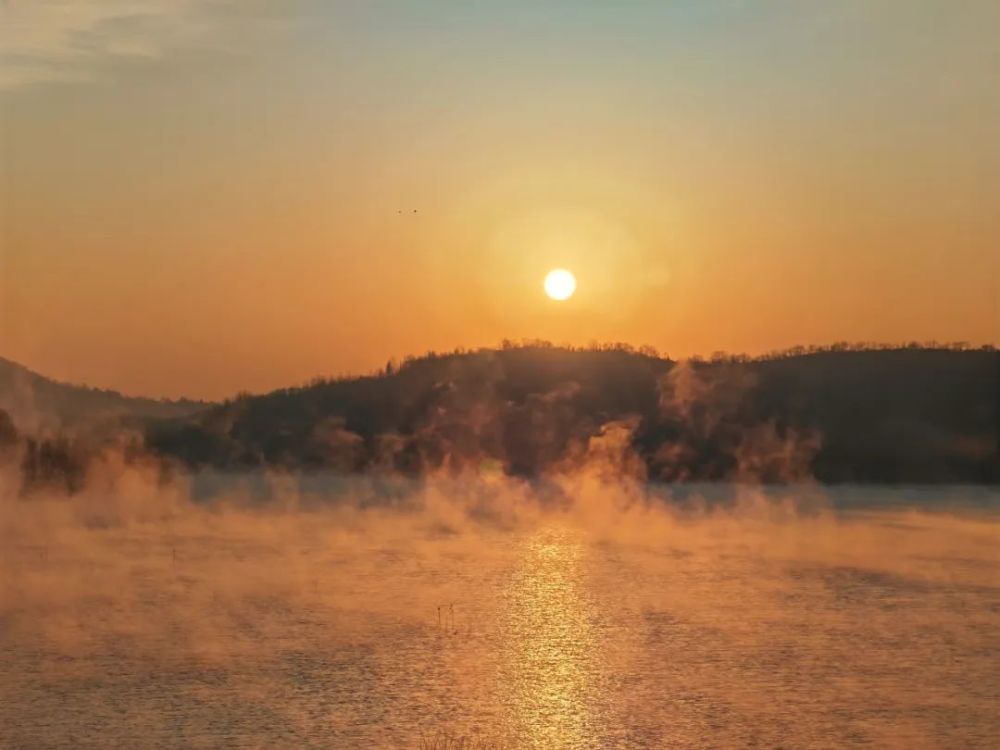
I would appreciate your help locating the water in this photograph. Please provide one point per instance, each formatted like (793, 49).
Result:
(868, 621)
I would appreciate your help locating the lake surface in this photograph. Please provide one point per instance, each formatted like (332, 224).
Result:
(610, 618)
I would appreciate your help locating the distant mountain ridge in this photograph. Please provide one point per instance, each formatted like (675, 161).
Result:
(841, 414)
(37, 404)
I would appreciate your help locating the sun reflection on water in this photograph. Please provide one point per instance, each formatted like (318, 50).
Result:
(549, 645)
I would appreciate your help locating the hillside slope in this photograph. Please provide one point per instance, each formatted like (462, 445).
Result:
(37, 404)
(901, 415)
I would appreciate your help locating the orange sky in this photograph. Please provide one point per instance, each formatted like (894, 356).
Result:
(203, 198)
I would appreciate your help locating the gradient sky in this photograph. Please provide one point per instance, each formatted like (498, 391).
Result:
(205, 196)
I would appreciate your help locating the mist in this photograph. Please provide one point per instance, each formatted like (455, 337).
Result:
(584, 608)
(467, 376)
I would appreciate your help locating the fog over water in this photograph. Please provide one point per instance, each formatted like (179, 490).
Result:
(581, 611)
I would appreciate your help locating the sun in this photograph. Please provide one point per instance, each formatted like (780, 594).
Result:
(560, 284)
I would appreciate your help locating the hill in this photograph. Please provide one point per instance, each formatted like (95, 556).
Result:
(908, 414)
(40, 405)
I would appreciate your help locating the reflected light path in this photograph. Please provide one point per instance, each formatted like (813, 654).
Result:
(547, 681)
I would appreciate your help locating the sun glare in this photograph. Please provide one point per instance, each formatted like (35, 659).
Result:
(560, 284)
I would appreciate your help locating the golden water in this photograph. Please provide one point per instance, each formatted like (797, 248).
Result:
(877, 628)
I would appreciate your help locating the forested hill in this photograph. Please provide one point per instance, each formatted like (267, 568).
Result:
(37, 404)
(872, 415)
